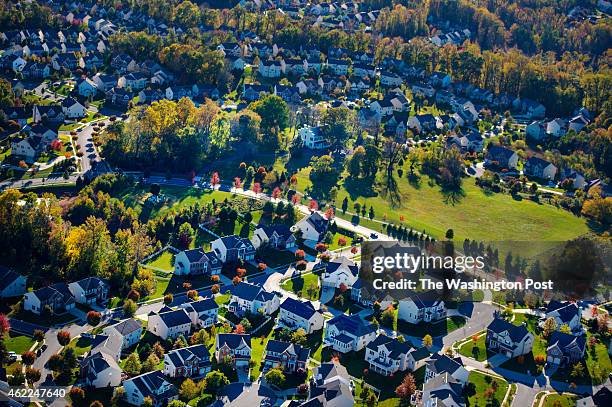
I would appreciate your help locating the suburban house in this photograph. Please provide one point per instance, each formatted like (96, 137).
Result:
(271, 69)
(442, 390)
(203, 313)
(556, 127)
(508, 339)
(387, 355)
(231, 249)
(439, 364)
(330, 385)
(425, 122)
(346, 333)
(87, 87)
(197, 261)
(536, 129)
(284, 355)
(295, 314)
(100, 370)
(48, 113)
(363, 293)
(501, 157)
(603, 397)
(108, 344)
(415, 310)
(312, 137)
(564, 313)
(129, 330)
(234, 346)
(252, 298)
(169, 323)
(55, 298)
(153, 385)
(340, 271)
(73, 109)
(565, 349)
(192, 361)
(540, 168)
(90, 290)
(277, 236)
(312, 227)
(11, 283)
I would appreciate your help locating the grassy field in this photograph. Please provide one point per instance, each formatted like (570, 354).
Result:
(301, 284)
(18, 343)
(471, 212)
(479, 383)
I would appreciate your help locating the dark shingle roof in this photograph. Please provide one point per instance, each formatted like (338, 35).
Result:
(303, 309)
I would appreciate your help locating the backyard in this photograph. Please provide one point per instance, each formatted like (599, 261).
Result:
(306, 285)
(485, 390)
(18, 343)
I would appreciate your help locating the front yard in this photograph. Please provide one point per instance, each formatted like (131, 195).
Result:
(305, 285)
(485, 390)
(434, 329)
(18, 343)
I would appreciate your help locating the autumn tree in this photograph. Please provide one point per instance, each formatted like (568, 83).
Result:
(406, 388)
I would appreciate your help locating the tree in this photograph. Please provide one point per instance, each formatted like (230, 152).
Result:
(132, 364)
(185, 235)
(77, 395)
(5, 325)
(344, 204)
(94, 317)
(406, 388)
(147, 402)
(38, 335)
(63, 337)
(565, 329)
(450, 234)
(168, 298)
(550, 326)
(96, 403)
(329, 213)
(150, 363)
(215, 381)
(427, 341)
(28, 357)
(299, 337)
(188, 390)
(129, 308)
(32, 375)
(275, 377)
(577, 370)
(274, 115)
(214, 180)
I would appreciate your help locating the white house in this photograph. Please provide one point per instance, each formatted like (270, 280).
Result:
(556, 127)
(313, 138)
(312, 227)
(508, 339)
(295, 314)
(197, 261)
(387, 355)
(439, 364)
(230, 249)
(276, 236)
(271, 69)
(169, 323)
(55, 298)
(130, 330)
(340, 271)
(346, 333)
(390, 79)
(237, 347)
(540, 168)
(203, 313)
(90, 290)
(416, 310)
(73, 109)
(153, 385)
(11, 283)
(252, 298)
(192, 361)
(100, 370)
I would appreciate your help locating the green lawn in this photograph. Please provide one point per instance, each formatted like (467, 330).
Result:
(476, 350)
(80, 345)
(598, 364)
(560, 400)
(18, 343)
(471, 213)
(307, 285)
(479, 383)
(164, 261)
